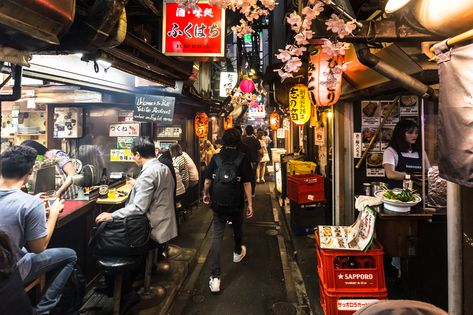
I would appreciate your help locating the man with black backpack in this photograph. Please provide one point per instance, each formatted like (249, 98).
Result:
(228, 179)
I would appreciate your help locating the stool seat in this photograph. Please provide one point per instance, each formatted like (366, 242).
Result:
(117, 263)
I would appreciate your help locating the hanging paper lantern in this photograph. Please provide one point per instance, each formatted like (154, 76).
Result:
(247, 85)
(299, 104)
(325, 77)
(201, 125)
(228, 123)
(274, 121)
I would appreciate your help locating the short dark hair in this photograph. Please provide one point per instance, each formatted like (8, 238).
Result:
(249, 130)
(40, 149)
(144, 146)
(238, 128)
(231, 137)
(7, 257)
(398, 140)
(17, 161)
(175, 149)
(219, 141)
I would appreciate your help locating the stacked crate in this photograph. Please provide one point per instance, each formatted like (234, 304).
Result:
(348, 280)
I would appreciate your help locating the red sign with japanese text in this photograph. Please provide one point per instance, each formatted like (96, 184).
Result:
(199, 32)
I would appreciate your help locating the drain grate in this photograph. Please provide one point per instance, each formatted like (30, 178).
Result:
(284, 308)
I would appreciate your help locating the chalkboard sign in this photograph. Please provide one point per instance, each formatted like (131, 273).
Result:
(154, 108)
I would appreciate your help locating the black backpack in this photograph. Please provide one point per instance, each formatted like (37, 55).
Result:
(227, 188)
(72, 295)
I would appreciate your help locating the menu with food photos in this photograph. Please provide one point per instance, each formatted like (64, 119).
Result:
(356, 237)
(372, 114)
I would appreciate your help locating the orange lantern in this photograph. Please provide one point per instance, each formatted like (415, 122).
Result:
(201, 125)
(325, 77)
(274, 121)
(299, 104)
(228, 123)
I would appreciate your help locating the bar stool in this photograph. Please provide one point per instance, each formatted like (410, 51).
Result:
(38, 283)
(117, 266)
(149, 292)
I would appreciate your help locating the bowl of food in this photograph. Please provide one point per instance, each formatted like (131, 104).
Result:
(375, 159)
(398, 200)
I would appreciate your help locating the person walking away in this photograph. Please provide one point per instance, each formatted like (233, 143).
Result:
(261, 168)
(254, 152)
(268, 141)
(209, 151)
(179, 162)
(218, 145)
(227, 180)
(23, 218)
(65, 169)
(152, 195)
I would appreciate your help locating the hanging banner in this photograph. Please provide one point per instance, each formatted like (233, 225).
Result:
(154, 108)
(299, 104)
(201, 125)
(199, 32)
(228, 80)
(257, 112)
(456, 115)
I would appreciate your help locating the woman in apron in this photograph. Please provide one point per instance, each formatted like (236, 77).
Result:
(403, 155)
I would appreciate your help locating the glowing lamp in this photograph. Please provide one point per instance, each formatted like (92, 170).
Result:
(394, 5)
(299, 104)
(228, 123)
(247, 85)
(201, 125)
(325, 77)
(274, 121)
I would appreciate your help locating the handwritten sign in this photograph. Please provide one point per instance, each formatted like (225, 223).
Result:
(154, 108)
(124, 130)
(198, 32)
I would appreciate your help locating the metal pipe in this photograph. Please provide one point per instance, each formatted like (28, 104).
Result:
(16, 90)
(408, 82)
(454, 249)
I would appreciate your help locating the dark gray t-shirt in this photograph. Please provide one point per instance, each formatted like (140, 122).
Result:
(23, 218)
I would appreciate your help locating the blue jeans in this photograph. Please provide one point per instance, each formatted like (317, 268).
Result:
(59, 262)
(220, 220)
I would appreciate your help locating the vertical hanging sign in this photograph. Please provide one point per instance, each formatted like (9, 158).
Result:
(198, 32)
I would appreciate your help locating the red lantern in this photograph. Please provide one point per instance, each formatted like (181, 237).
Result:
(274, 121)
(325, 77)
(228, 123)
(201, 125)
(247, 85)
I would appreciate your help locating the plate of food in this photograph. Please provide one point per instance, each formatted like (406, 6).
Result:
(398, 200)
(375, 159)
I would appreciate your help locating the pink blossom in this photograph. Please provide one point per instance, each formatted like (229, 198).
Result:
(298, 51)
(293, 65)
(294, 19)
(284, 55)
(284, 75)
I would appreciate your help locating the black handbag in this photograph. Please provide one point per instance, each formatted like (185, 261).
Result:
(121, 237)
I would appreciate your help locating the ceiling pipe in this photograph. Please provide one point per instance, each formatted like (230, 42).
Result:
(374, 62)
(16, 90)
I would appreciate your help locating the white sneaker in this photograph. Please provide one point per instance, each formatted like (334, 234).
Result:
(257, 181)
(238, 258)
(263, 181)
(214, 284)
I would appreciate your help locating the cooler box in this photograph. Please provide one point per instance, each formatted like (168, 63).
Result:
(306, 188)
(295, 167)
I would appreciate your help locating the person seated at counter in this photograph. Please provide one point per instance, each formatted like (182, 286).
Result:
(152, 195)
(23, 218)
(403, 155)
(65, 169)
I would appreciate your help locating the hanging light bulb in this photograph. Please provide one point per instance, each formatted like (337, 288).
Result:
(394, 5)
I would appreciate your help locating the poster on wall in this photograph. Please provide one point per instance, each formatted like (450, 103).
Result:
(374, 164)
(124, 142)
(228, 80)
(370, 113)
(320, 138)
(121, 155)
(393, 117)
(68, 122)
(124, 130)
(367, 133)
(198, 32)
(409, 105)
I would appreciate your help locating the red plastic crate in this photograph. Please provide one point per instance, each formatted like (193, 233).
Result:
(346, 303)
(336, 274)
(305, 188)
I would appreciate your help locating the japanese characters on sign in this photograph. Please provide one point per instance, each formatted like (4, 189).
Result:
(228, 80)
(124, 130)
(120, 155)
(257, 112)
(299, 104)
(198, 32)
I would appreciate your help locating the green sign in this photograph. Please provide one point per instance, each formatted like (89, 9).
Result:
(124, 142)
